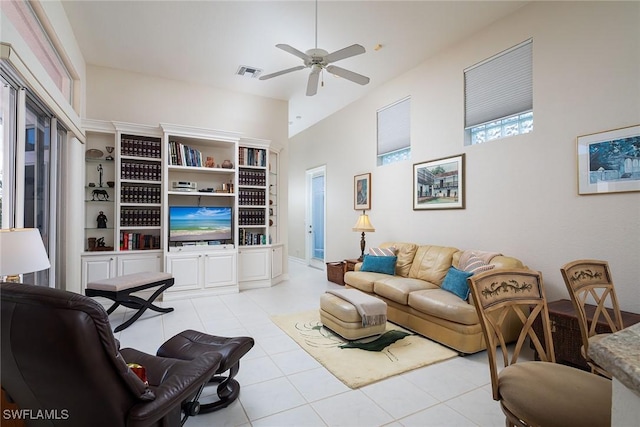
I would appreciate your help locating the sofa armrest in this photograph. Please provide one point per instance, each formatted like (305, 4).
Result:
(173, 382)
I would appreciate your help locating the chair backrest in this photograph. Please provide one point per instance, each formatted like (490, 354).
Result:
(589, 281)
(497, 295)
(59, 355)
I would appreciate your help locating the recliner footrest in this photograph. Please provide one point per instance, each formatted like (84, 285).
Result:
(189, 344)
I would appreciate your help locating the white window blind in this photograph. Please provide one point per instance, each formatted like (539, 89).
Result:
(394, 127)
(500, 86)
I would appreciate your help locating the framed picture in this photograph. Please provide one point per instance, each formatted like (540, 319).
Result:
(439, 184)
(609, 162)
(362, 192)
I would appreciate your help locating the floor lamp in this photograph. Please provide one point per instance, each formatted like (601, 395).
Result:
(21, 251)
(363, 225)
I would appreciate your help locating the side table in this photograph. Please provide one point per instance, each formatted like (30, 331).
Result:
(350, 264)
(565, 331)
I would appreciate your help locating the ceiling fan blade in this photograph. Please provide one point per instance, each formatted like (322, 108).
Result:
(294, 51)
(314, 77)
(279, 73)
(349, 75)
(347, 52)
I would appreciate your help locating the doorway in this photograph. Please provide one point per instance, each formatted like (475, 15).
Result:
(315, 217)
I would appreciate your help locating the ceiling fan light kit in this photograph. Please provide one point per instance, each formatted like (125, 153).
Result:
(318, 60)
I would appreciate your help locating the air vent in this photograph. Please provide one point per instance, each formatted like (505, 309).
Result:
(244, 70)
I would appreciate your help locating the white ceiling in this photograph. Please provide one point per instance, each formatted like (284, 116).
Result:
(204, 42)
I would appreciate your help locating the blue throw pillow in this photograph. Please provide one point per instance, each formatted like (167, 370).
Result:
(456, 282)
(379, 264)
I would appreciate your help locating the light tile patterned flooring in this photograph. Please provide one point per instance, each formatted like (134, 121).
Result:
(283, 386)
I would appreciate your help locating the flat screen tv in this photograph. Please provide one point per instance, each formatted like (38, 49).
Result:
(200, 223)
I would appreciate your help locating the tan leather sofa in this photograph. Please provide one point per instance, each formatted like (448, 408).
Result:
(415, 300)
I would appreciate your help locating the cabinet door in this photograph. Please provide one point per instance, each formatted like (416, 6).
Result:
(277, 255)
(185, 270)
(97, 268)
(139, 263)
(220, 270)
(253, 264)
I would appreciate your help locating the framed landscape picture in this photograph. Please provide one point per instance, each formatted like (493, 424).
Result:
(439, 184)
(362, 192)
(609, 162)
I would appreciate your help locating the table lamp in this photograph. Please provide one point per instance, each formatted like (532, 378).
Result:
(21, 251)
(363, 225)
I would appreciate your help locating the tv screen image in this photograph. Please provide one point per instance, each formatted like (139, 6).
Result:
(199, 223)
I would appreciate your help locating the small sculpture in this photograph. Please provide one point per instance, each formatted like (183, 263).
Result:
(100, 242)
(100, 172)
(102, 221)
(210, 162)
(109, 150)
(99, 195)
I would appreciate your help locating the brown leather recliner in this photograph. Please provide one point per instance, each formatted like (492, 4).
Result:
(61, 363)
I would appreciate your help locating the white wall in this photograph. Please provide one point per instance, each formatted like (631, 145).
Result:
(521, 192)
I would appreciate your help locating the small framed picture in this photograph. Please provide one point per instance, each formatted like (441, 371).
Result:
(609, 162)
(362, 192)
(439, 184)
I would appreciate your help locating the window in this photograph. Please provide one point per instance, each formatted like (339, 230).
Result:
(29, 175)
(498, 95)
(394, 140)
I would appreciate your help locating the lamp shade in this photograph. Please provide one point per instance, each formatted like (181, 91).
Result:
(22, 251)
(363, 224)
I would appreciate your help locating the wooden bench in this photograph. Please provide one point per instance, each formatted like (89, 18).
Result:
(119, 290)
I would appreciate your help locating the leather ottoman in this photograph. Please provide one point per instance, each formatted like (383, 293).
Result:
(342, 318)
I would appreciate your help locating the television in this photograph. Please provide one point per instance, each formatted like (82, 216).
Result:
(200, 224)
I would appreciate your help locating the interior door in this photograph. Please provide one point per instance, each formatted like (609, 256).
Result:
(315, 217)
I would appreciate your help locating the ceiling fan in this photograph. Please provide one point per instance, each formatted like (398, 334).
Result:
(318, 60)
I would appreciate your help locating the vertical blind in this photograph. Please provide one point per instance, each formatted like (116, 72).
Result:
(500, 86)
(394, 127)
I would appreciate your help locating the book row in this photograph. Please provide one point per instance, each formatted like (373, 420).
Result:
(140, 194)
(141, 171)
(252, 156)
(249, 238)
(251, 197)
(134, 146)
(138, 241)
(135, 217)
(251, 217)
(252, 177)
(183, 155)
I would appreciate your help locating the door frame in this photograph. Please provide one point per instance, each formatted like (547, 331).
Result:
(309, 175)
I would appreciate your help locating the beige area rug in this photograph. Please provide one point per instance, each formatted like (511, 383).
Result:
(356, 367)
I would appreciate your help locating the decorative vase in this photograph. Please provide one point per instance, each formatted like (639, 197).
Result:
(227, 164)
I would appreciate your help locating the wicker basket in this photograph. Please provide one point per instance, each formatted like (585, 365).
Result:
(335, 272)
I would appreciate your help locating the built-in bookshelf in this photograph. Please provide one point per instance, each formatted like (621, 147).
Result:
(252, 196)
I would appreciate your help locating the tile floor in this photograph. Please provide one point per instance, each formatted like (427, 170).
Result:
(283, 386)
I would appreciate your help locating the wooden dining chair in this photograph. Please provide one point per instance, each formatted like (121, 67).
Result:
(533, 393)
(588, 281)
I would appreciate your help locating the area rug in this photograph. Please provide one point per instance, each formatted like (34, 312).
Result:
(365, 361)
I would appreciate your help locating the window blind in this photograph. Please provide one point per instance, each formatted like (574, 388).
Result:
(499, 87)
(394, 127)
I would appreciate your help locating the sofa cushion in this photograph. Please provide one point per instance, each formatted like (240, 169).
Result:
(445, 305)
(405, 253)
(431, 263)
(475, 265)
(456, 282)
(398, 288)
(363, 280)
(390, 251)
(502, 261)
(379, 264)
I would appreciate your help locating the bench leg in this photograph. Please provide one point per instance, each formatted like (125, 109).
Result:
(132, 301)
